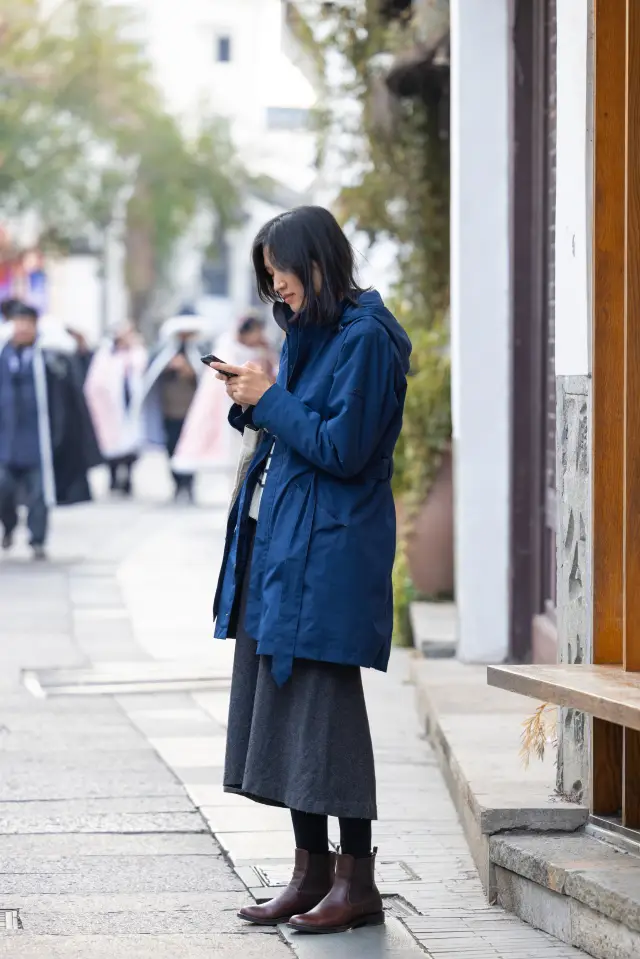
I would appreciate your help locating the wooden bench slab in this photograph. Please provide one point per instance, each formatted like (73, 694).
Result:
(608, 692)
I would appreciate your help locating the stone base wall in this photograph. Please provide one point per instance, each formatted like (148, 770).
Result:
(573, 411)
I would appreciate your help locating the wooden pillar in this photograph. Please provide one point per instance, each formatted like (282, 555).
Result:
(608, 329)
(608, 383)
(632, 346)
(631, 562)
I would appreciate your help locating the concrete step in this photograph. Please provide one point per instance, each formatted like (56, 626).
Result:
(475, 731)
(434, 627)
(582, 891)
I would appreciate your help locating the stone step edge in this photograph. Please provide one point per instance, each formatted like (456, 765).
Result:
(583, 883)
(480, 820)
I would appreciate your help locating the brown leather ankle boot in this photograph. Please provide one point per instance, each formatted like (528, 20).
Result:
(354, 899)
(310, 883)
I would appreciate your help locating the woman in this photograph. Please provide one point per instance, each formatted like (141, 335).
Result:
(170, 386)
(306, 576)
(113, 390)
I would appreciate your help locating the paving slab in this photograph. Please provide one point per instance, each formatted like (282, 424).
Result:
(212, 795)
(191, 750)
(177, 946)
(91, 807)
(249, 817)
(205, 921)
(28, 781)
(115, 874)
(39, 848)
(389, 941)
(255, 846)
(23, 822)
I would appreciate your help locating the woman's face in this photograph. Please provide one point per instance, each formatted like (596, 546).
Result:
(287, 285)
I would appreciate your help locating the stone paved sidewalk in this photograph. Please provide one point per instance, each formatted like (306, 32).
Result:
(107, 805)
(102, 853)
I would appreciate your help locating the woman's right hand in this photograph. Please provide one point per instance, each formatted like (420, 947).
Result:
(227, 380)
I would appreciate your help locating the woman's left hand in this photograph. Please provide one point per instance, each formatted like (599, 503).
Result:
(249, 384)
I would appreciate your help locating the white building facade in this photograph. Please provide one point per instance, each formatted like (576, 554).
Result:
(235, 60)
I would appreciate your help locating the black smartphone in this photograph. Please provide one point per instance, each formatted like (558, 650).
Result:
(212, 358)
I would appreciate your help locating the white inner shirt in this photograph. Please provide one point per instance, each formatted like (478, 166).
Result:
(256, 499)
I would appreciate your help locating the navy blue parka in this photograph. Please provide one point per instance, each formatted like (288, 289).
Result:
(320, 579)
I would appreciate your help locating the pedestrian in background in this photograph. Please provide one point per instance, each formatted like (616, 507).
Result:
(114, 392)
(170, 386)
(206, 442)
(47, 443)
(305, 584)
(84, 353)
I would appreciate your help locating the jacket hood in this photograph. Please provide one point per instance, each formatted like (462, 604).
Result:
(370, 303)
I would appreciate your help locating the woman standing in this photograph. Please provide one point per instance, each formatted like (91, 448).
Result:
(305, 584)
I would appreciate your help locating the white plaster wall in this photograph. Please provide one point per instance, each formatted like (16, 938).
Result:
(181, 40)
(74, 291)
(480, 324)
(574, 189)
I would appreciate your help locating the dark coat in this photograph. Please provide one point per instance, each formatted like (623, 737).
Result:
(320, 585)
(73, 442)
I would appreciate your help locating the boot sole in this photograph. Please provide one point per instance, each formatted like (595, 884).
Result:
(264, 922)
(375, 919)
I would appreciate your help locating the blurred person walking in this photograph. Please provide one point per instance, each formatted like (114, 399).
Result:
(114, 391)
(206, 442)
(84, 353)
(305, 583)
(47, 443)
(169, 388)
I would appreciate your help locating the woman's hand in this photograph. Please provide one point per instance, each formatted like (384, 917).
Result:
(249, 384)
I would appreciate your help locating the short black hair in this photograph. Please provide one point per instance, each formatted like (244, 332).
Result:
(298, 240)
(18, 308)
(7, 306)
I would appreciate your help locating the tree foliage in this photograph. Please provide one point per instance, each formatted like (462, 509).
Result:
(81, 121)
(398, 188)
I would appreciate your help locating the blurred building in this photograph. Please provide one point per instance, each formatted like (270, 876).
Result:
(242, 60)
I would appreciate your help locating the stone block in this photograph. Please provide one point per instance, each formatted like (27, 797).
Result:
(600, 936)
(535, 904)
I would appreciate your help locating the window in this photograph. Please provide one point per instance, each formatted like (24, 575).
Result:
(223, 49)
(287, 118)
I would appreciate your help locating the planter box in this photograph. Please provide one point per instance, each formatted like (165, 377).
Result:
(430, 547)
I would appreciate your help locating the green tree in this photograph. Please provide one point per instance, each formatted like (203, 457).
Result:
(81, 121)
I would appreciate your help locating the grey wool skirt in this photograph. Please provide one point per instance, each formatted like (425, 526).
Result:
(305, 745)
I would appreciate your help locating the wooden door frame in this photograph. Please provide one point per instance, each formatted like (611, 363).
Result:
(615, 754)
(529, 318)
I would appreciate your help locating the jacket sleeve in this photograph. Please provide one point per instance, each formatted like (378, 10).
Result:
(361, 403)
(239, 417)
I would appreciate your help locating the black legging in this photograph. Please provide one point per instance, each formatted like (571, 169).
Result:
(312, 834)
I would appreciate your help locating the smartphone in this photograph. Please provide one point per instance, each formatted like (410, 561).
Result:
(212, 358)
